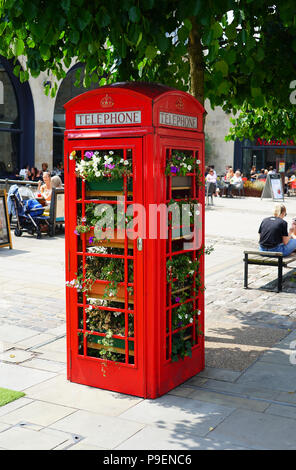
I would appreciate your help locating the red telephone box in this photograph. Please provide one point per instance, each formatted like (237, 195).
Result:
(135, 307)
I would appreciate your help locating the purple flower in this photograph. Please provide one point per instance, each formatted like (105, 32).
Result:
(174, 169)
(91, 240)
(177, 300)
(88, 154)
(108, 165)
(76, 233)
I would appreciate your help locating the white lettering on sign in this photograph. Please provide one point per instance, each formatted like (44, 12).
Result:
(108, 119)
(177, 120)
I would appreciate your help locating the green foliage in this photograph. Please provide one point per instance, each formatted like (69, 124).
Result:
(267, 123)
(244, 56)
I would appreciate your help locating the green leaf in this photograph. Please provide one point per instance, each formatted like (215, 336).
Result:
(183, 34)
(255, 92)
(150, 52)
(222, 66)
(74, 36)
(217, 30)
(163, 43)
(18, 47)
(45, 51)
(65, 4)
(134, 14)
(230, 31)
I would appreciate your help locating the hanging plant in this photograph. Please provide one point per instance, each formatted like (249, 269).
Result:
(99, 165)
(180, 164)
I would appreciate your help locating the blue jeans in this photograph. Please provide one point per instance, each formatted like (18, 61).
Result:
(281, 248)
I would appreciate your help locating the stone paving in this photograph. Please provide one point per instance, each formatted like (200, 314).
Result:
(244, 399)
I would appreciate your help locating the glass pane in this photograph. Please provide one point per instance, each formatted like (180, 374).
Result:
(9, 118)
(9, 153)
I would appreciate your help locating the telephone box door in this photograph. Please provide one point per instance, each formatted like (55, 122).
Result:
(105, 306)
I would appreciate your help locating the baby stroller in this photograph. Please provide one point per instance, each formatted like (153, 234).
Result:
(28, 212)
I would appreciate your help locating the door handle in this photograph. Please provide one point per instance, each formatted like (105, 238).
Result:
(139, 244)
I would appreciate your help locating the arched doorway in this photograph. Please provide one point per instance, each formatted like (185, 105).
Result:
(16, 122)
(66, 92)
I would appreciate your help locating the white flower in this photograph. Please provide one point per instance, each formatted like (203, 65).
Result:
(121, 160)
(126, 162)
(199, 312)
(111, 152)
(189, 167)
(198, 162)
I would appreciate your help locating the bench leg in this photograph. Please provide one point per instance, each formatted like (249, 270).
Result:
(280, 274)
(246, 271)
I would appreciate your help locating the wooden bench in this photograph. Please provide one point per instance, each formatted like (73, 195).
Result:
(267, 258)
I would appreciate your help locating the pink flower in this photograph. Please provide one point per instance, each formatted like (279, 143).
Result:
(88, 154)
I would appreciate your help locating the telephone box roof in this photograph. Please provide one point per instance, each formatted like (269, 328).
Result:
(146, 89)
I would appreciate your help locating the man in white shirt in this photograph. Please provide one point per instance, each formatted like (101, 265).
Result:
(235, 182)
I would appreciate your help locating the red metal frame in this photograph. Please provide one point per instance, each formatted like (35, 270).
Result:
(152, 372)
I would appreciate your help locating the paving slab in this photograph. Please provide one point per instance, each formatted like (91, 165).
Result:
(58, 345)
(100, 429)
(220, 374)
(54, 356)
(35, 341)
(151, 438)
(44, 364)
(19, 378)
(245, 391)
(257, 431)
(228, 400)
(59, 390)
(177, 413)
(4, 426)
(13, 405)
(86, 445)
(267, 376)
(15, 356)
(38, 412)
(13, 334)
(278, 357)
(18, 438)
(282, 410)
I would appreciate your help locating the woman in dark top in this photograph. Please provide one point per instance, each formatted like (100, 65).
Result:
(274, 234)
(34, 174)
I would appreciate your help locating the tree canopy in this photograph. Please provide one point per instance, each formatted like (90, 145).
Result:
(229, 51)
(266, 123)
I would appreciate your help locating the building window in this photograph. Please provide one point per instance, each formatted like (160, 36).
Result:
(16, 122)
(9, 125)
(66, 92)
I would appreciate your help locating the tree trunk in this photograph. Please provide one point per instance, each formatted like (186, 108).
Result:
(196, 63)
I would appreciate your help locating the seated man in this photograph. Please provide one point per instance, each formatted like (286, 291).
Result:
(235, 182)
(274, 233)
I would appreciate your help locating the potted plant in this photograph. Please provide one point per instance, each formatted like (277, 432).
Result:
(103, 170)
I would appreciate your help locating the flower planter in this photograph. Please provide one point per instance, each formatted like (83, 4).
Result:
(118, 345)
(98, 290)
(181, 182)
(117, 241)
(107, 187)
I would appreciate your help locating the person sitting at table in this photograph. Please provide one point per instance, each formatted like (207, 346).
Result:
(274, 234)
(56, 182)
(46, 188)
(235, 182)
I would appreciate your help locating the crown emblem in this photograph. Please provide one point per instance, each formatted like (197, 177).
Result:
(107, 101)
(179, 103)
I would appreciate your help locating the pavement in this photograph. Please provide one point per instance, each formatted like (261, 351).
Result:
(244, 399)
